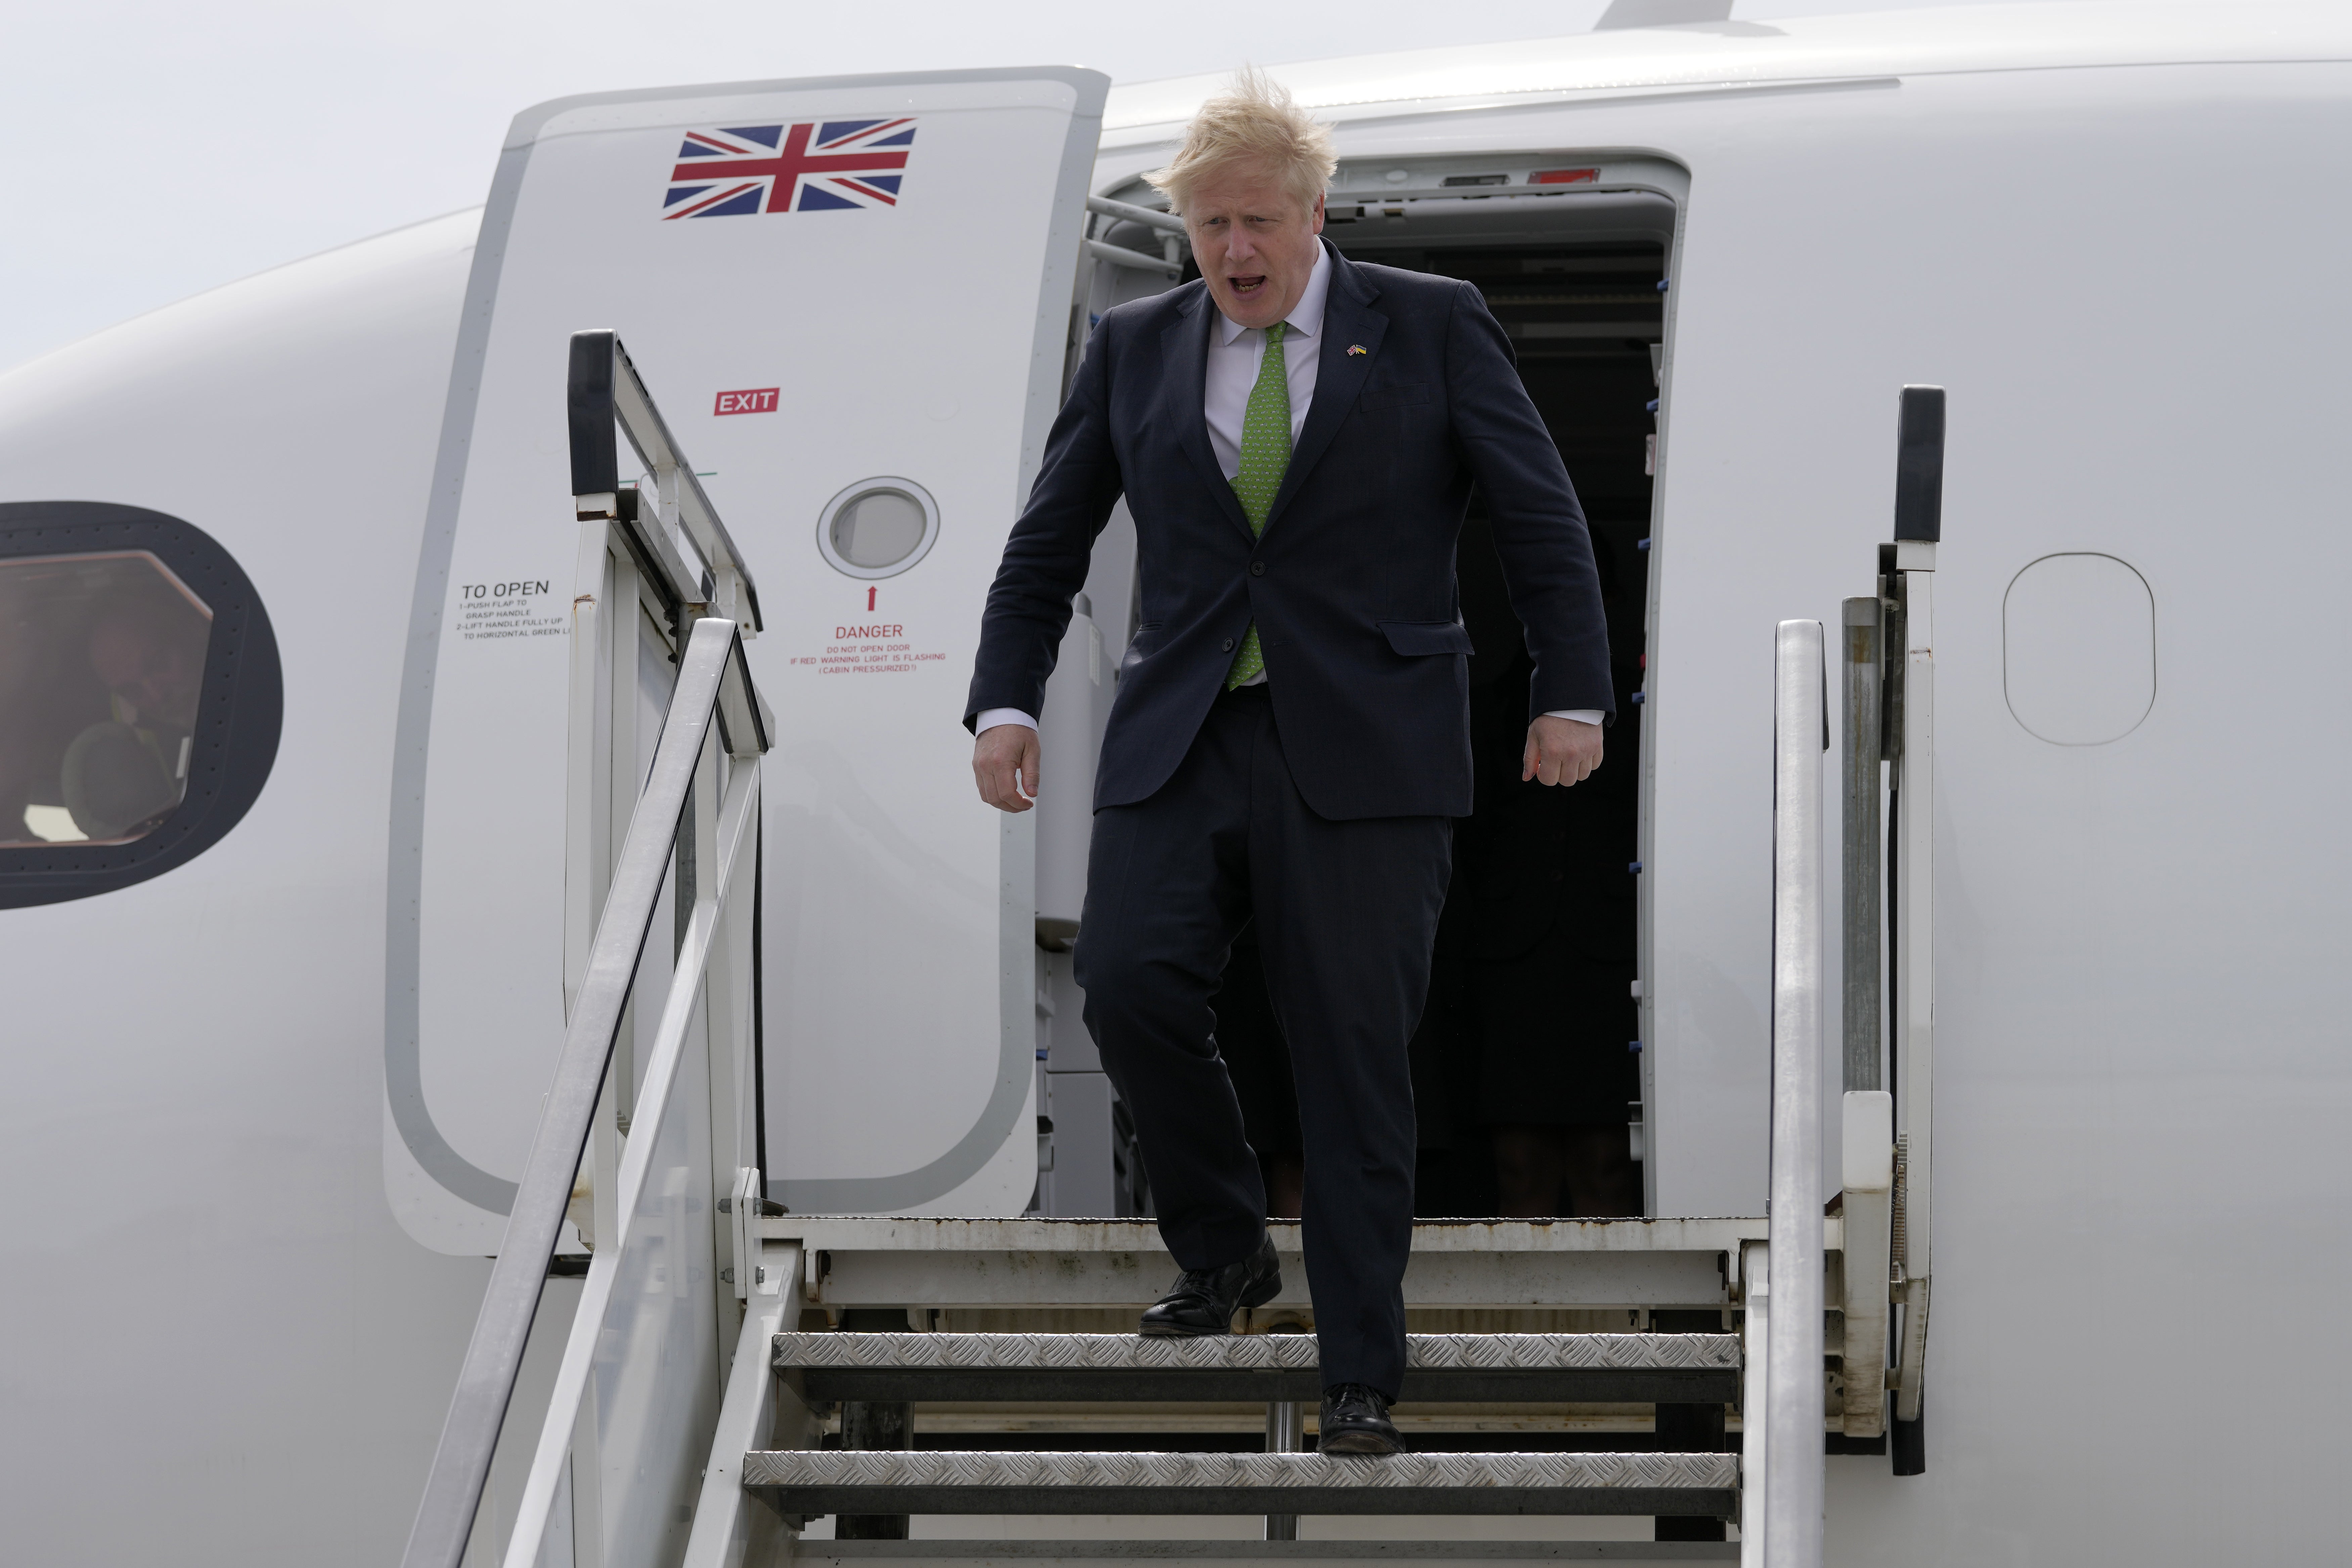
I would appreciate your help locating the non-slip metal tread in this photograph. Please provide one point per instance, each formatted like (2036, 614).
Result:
(1423, 1351)
(1601, 1368)
(810, 1481)
(1073, 1552)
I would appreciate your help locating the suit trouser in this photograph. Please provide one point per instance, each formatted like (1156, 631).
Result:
(1346, 912)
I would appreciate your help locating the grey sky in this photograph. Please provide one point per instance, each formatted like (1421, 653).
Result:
(153, 148)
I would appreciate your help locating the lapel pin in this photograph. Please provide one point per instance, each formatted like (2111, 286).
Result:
(1358, 349)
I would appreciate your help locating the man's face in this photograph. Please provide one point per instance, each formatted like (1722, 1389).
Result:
(158, 676)
(1254, 244)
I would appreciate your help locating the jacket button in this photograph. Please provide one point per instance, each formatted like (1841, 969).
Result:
(1257, 568)
(1228, 646)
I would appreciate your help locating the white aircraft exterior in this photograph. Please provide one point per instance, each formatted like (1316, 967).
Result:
(269, 1100)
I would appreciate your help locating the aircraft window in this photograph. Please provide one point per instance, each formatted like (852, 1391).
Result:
(878, 528)
(106, 655)
(139, 697)
(2078, 646)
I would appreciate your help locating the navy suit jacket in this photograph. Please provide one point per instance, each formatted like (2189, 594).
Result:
(1351, 586)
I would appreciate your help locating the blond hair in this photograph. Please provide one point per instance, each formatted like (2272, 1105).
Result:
(1255, 123)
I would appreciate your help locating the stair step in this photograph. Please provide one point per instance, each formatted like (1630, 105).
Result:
(812, 1482)
(1633, 1369)
(1389, 1552)
(1032, 1263)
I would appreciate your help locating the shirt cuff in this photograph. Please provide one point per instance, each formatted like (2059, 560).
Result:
(990, 718)
(1582, 715)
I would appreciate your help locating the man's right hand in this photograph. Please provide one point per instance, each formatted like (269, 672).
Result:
(1004, 765)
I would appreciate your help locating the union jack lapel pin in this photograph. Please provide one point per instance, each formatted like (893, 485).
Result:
(1358, 349)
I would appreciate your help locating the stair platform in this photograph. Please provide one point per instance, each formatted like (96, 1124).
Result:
(1257, 1368)
(808, 1482)
(1476, 1264)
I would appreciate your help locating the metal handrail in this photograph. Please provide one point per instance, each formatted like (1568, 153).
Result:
(1174, 237)
(1120, 255)
(709, 671)
(602, 387)
(735, 834)
(1127, 212)
(1793, 1474)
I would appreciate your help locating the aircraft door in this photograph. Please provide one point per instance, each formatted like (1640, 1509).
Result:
(1083, 1145)
(854, 299)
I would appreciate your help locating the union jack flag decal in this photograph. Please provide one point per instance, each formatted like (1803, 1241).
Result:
(814, 166)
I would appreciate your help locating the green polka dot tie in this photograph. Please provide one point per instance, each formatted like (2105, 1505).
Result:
(1266, 457)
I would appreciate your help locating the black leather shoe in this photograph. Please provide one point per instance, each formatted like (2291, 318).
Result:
(1355, 1421)
(1204, 1300)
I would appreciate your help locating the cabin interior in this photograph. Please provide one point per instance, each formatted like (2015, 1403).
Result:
(1527, 1064)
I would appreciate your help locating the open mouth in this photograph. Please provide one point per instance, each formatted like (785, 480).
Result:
(1245, 287)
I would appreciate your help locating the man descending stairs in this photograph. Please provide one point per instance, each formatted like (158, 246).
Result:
(1520, 1323)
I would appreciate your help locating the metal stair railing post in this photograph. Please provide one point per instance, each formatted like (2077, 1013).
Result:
(701, 706)
(1793, 1375)
(733, 838)
(1862, 661)
(602, 387)
(1919, 529)
(757, 1411)
(1755, 1400)
(1285, 1433)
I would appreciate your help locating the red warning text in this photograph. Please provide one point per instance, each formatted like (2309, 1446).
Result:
(758, 400)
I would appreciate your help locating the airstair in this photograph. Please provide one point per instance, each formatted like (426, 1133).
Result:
(873, 1372)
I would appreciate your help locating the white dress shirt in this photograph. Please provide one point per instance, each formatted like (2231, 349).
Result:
(1235, 355)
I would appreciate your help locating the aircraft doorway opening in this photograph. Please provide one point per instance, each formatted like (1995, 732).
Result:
(1527, 1070)
(1527, 1084)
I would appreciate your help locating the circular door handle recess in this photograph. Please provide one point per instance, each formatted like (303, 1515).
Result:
(878, 528)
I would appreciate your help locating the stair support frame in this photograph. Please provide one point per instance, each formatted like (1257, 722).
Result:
(1791, 1486)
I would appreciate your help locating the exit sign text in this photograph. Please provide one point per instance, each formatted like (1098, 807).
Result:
(758, 400)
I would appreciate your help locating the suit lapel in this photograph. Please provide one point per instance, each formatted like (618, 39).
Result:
(1348, 322)
(1184, 361)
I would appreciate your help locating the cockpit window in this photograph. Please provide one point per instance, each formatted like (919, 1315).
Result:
(103, 673)
(141, 697)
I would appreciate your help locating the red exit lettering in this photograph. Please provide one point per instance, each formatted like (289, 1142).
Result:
(758, 400)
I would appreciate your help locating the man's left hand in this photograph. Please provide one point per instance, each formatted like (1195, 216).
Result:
(1561, 751)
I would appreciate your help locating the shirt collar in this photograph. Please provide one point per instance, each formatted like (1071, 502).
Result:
(1306, 318)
